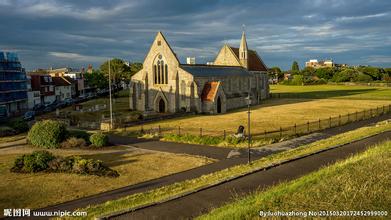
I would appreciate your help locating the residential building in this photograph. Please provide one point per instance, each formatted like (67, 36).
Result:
(44, 84)
(76, 75)
(319, 64)
(64, 87)
(190, 60)
(33, 97)
(166, 85)
(13, 85)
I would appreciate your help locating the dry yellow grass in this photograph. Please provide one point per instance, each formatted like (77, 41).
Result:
(43, 189)
(270, 115)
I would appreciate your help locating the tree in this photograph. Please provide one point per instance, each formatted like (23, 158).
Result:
(119, 70)
(96, 79)
(325, 73)
(275, 72)
(295, 67)
(135, 67)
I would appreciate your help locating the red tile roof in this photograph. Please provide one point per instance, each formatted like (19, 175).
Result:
(209, 91)
(255, 63)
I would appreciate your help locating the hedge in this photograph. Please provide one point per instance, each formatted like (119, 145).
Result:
(99, 139)
(47, 134)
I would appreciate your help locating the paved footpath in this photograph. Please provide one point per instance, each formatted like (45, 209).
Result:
(201, 202)
(213, 152)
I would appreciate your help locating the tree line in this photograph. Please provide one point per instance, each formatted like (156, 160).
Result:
(309, 75)
(120, 72)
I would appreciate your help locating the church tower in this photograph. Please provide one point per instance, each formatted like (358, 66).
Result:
(243, 51)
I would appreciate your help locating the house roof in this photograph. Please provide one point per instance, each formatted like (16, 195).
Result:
(255, 63)
(214, 70)
(60, 81)
(209, 91)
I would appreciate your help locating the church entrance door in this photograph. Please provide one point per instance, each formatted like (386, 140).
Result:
(218, 105)
(162, 106)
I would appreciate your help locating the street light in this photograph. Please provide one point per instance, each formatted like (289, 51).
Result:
(248, 126)
(111, 102)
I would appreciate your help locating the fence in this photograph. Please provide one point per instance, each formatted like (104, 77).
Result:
(291, 131)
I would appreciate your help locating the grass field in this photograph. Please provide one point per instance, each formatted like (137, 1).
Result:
(333, 91)
(178, 188)
(43, 189)
(361, 182)
(303, 103)
(270, 115)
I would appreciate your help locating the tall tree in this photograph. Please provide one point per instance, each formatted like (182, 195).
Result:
(295, 67)
(119, 70)
(96, 79)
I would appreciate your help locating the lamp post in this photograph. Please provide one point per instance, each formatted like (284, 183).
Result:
(111, 103)
(248, 127)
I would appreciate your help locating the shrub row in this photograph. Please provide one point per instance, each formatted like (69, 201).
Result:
(44, 161)
(53, 134)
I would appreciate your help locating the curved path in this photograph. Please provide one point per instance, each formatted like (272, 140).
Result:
(213, 152)
(201, 202)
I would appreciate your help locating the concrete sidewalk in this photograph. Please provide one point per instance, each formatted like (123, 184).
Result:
(195, 204)
(213, 152)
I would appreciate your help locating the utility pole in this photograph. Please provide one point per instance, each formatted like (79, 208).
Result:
(248, 127)
(111, 103)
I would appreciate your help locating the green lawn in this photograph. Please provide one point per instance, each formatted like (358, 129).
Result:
(43, 189)
(362, 182)
(179, 188)
(333, 91)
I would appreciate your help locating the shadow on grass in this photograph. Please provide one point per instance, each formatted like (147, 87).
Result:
(114, 159)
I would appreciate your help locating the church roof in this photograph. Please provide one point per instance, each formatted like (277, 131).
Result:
(209, 91)
(214, 70)
(255, 63)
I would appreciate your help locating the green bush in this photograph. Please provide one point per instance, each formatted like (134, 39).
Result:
(73, 142)
(19, 125)
(99, 139)
(47, 134)
(45, 161)
(31, 163)
(80, 134)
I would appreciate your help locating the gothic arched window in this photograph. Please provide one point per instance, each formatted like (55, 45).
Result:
(160, 71)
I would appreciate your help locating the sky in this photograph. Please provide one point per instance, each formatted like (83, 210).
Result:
(75, 33)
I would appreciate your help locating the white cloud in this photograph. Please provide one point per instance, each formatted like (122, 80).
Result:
(363, 17)
(379, 59)
(50, 8)
(320, 30)
(5, 2)
(76, 57)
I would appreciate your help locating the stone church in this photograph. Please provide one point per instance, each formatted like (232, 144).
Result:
(166, 85)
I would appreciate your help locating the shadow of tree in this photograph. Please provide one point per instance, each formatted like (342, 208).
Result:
(114, 159)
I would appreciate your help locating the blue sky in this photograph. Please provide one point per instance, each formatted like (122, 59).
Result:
(75, 33)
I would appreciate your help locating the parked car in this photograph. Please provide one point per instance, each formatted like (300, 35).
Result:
(69, 101)
(48, 109)
(29, 116)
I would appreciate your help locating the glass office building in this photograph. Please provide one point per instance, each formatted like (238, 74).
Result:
(13, 85)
